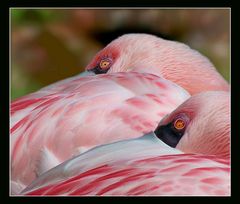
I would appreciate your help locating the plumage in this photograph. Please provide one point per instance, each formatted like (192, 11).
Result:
(65, 119)
(146, 165)
(76, 114)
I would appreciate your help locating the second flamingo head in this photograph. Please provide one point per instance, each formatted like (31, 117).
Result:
(200, 125)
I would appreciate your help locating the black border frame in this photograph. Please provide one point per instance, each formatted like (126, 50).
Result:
(235, 185)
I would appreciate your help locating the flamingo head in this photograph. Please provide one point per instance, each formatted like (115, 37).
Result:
(172, 60)
(200, 125)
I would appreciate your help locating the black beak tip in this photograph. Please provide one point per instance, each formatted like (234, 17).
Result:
(166, 134)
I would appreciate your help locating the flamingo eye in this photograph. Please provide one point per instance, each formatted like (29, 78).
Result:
(102, 67)
(179, 124)
(105, 64)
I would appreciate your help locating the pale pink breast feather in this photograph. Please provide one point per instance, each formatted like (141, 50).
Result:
(82, 112)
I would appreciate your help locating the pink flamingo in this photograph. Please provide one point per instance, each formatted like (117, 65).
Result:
(128, 105)
(171, 60)
(200, 131)
(62, 117)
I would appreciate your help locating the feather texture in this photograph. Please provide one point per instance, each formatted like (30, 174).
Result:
(143, 166)
(81, 112)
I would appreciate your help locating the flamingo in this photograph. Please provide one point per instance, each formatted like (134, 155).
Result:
(171, 60)
(187, 154)
(62, 117)
(127, 104)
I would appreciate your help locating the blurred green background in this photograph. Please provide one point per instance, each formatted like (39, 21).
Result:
(48, 45)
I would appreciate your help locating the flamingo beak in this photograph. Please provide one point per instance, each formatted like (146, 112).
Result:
(98, 70)
(166, 134)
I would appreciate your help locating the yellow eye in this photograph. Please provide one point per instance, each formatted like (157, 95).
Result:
(179, 124)
(104, 64)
